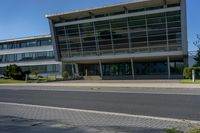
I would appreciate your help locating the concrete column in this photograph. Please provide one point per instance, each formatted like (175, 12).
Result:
(61, 68)
(100, 68)
(76, 69)
(168, 67)
(73, 74)
(55, 47)
(184, 26)
(86, 72)
(132, 68)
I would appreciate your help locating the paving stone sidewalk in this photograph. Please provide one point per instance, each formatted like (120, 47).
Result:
(83, 121)
(20, 125)
(115, 84)
(179, 91)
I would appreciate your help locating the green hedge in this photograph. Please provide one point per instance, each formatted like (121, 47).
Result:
(187, 72)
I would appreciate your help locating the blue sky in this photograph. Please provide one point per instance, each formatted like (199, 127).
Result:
(21, 18)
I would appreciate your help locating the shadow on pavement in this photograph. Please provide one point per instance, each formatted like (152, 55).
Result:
(20, 125)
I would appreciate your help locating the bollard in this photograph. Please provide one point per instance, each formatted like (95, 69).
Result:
(26, 78)
(193, 76)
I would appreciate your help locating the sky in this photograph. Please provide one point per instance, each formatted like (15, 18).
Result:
(23, 18)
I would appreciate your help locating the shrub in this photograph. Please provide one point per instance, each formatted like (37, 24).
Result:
(14, 72)
(187, 72)
(65, 74)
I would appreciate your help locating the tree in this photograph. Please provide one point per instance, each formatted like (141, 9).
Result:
(197, 57)
(14, 72)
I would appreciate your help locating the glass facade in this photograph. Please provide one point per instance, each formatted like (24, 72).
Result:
(117, 69)
(176, 67)
(43, 68)
(151, 68)
(25, 43)
(147, 33)
(26, 56)
(89, 69)
(124, 68)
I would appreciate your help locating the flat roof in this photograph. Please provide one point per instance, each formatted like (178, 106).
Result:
(25, 38)
(134, 4)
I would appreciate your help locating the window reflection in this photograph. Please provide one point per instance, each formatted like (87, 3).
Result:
(24, 44)
(152, 32)
(26, 56)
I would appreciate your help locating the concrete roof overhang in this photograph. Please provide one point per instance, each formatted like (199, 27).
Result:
(136, 4)
(25, 38)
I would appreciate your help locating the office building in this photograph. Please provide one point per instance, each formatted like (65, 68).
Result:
(143, 39)
(30, 53)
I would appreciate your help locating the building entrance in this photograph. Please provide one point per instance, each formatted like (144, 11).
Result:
(89, 69)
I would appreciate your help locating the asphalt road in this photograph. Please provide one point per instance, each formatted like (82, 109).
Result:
(159, 105)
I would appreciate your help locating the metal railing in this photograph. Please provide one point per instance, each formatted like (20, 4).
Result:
(150, 49)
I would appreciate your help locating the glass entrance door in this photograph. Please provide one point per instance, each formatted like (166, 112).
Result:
(89, 69)
(117, 69)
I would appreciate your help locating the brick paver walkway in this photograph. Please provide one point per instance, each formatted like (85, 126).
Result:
(100, 120)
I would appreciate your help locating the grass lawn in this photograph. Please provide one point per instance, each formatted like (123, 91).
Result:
(195, 131)
(189, 81)
(177, 131)
(42, 80)
(39, 80)
(10, 81)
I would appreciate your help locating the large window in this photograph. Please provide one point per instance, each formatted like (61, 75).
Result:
(51, 68)
(157, 35)
(103, 35)
(87, 38)
(26, 56)
(151, 68)
(138, 32)
(24, 44)
(146, 33)
(176, 67)
(117, 69)
(174, 29)
(120, 35)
